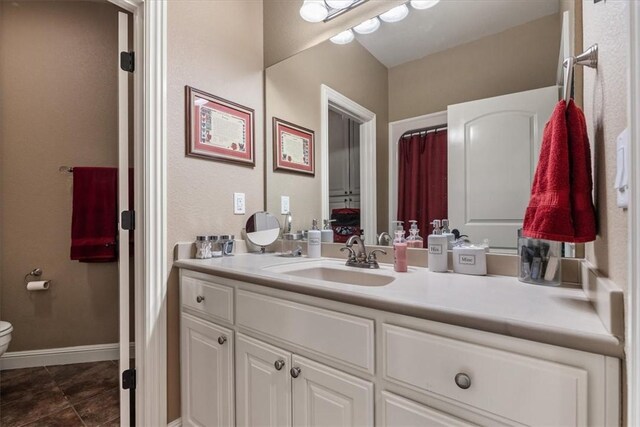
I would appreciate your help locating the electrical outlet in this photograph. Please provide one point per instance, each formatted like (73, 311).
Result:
(238, 204)
(285, 208)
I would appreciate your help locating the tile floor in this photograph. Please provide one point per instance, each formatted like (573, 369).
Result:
(83, 394)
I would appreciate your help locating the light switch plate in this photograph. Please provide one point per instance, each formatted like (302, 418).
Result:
(285, 207)
(238, 204)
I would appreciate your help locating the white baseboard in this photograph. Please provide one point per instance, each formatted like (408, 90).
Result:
(60, 356)
(175, 423)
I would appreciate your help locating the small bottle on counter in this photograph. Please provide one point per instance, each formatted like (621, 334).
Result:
(327, 231)
(399, 249)
(314, 238)
(438, 246)
(203, 247)
(227, 241)
(216, 246)
(414, 240)
(446, 232)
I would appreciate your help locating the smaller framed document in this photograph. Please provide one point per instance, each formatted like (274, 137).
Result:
(293, 148)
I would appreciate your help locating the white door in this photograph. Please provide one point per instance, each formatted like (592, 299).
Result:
(206, 371)
(124, 276)
(263, 384)
(493, 152)
(323, 396)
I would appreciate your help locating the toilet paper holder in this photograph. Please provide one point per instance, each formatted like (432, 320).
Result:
(36, 272)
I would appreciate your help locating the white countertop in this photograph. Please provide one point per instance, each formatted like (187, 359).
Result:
(560, 316)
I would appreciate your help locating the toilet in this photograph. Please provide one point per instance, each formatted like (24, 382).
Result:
(5, 336)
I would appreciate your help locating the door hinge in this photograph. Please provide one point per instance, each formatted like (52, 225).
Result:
(128, 220)
(129, 379)
(127, 61)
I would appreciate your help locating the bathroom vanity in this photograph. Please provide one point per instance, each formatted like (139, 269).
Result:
(273, 341)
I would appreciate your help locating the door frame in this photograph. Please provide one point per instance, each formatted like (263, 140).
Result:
(150, 184)
(368, 196)
(396, 130)
(633, 292)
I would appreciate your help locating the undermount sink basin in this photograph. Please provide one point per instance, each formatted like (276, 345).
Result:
(334, 273)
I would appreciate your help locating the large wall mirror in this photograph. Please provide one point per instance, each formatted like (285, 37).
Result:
(437, 116)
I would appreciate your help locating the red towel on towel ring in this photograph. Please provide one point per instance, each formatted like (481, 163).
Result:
(560, 207)
(94, 222)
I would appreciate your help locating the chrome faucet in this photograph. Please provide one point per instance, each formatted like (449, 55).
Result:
(358, 257)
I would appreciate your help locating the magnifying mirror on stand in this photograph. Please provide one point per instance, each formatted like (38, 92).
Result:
(262, 229)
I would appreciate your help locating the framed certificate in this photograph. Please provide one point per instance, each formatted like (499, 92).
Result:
(218, 129)
(293, 148)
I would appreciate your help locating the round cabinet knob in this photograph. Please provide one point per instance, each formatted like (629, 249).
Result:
(199, 298)
(279, 364)
(222, 339)
(295, 372)
(463, 381)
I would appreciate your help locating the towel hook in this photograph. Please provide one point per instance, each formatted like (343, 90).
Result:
(588, 58)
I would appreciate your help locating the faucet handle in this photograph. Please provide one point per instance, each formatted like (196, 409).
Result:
(352, 253)
(372, 254)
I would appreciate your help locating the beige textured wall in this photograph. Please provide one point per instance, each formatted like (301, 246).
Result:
(58, 104)
(215, 46)
(286, 34)
(518, 59)
(605, 107)
(293, 94)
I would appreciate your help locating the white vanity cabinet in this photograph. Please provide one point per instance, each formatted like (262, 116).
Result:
(254, 355)
(276, 388)
(206, 373)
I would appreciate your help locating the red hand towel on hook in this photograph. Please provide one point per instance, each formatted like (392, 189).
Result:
(94, 219)
(549, 214)
(582, 209)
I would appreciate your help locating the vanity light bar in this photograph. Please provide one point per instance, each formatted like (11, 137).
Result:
(395, 14)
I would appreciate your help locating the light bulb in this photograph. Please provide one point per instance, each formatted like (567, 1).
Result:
(343, 37)
(368, 26)
(313, 10)
(338, 4)
(396, 14)
(424, 4)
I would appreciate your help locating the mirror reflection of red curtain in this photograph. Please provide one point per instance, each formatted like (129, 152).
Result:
(422, 179)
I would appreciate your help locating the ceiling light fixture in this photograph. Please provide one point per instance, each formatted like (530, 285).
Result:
(368, 26)
(313, 10)
(424, 4)
(338, 4)
(396, 14)
(343, 37)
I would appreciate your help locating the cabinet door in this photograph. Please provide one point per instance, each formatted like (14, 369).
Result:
(323, 396)
(206, 373)
(398, 412)
(263, 387)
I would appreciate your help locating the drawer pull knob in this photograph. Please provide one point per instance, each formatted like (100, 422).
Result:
(295, 372)
(463, 381)
(199, 298)
(279, 364)
(222, 339)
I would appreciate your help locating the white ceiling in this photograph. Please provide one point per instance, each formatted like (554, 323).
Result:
(450, 23)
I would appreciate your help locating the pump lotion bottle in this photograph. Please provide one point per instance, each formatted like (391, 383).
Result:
(438, 245)
(314, 237)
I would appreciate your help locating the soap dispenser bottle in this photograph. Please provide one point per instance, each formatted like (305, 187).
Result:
(438, 244)
(327, 231)
(451, 238)
(314, 237)
(414, 240)
(399, 249)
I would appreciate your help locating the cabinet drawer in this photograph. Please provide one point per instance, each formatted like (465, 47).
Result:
(337, 336)
(207, 298)
(515, 387)
(398, 412)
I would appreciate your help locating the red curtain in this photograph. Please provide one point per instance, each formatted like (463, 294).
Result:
(422, 179)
